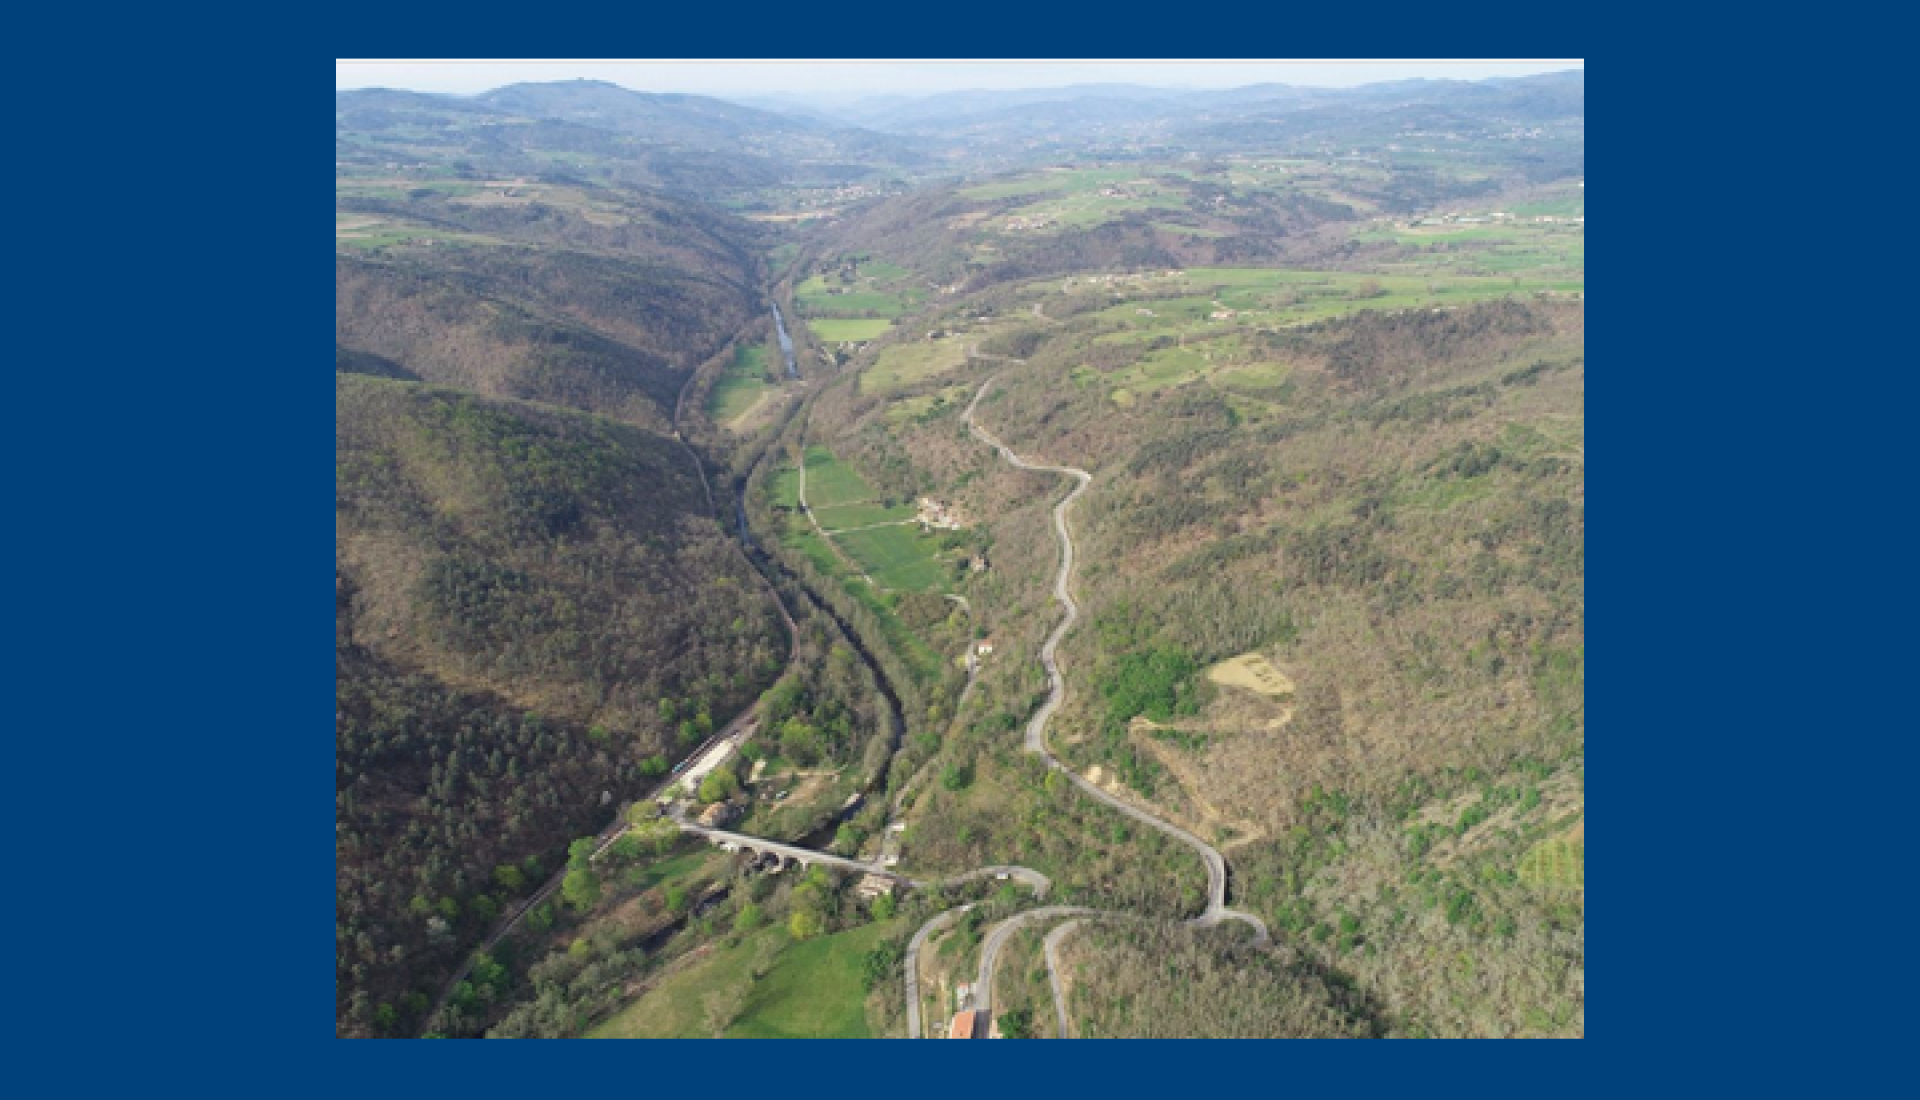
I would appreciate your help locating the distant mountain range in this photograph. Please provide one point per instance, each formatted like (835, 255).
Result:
(709, 147)
(1551, 96)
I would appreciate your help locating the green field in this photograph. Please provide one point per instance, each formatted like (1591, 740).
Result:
(904, 364)
(831, 331)
(1487, 249)
(897, 557)
(813, 991)
(832, 482)
(1054, 181)
(867, 295)
(1083, 211)
(890, 561)
(739, 389)
(861, 515)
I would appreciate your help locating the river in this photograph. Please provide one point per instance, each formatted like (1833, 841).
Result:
(786, 342)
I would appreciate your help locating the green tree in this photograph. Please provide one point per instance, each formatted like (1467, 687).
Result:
(805, 924)
(580, 851)
(511, 877)
(581, 888)
(719, 785)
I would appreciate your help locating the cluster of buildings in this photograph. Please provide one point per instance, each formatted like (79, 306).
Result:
(938, 513)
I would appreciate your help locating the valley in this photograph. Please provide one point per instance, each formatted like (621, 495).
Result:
(1148, 536)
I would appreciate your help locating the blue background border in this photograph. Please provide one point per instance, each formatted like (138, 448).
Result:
(172, 462)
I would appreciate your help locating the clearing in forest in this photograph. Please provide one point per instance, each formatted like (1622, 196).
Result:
(1253, 672)
(1557, 863)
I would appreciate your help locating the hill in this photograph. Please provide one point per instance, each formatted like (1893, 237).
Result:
(519, 589)
(688, 145)
(575, 296)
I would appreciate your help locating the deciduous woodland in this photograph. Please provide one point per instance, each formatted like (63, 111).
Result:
(1320, 356)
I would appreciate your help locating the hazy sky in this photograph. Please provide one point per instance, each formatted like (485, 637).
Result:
(921, 77)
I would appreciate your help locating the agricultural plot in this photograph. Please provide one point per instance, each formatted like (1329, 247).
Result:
(1053, 180)
(844, 516)
(1487, 249)
(903, 365)
(875, 291)
(365, 233)
(831, 482)
(844, 331)
(814, 990)
(740, 387)
(897, 557)
(1083, 211)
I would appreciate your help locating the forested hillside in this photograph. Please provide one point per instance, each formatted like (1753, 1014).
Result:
(567, 296)
(524, 594)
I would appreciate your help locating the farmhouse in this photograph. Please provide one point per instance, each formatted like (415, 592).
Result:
(938, 513)
(965, 1026)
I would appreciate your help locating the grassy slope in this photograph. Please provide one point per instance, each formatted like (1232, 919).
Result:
(814, 991)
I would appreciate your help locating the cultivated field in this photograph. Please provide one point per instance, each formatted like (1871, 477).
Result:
(741, 387)
(902, 365)
(812, 990)
(842, 331)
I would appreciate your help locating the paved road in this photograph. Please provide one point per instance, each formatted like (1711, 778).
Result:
(1216, 910)
(997, 939)
(1036, 881)
(736, 731)
(914, 945)
(1031, 879)
(1050, 947)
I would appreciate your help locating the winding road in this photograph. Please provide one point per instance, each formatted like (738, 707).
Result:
(914, 1030)
(1050, 948)
(997, 940)
(1216, 910)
